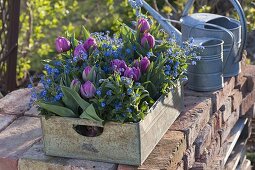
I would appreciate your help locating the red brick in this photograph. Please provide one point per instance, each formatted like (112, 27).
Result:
(168, 152)
(228, 125)
(180, 166)
(210, 152)
(226, 109)
(216, 123)
(218, 120)
(193, 120)
(189, 158)
(218, 97)
(199, 166)
(249, 72)
(8, 164)
(242, 86)
(6, 120)
(126, 167)
(35, 159)
(247, 102)
(250, 113)
(250, 85)
(212, 124)
(239, 77)
(17, 138)
(203, 141)
(16, 102)
(33, 111)
(216, 164)
(237, 98)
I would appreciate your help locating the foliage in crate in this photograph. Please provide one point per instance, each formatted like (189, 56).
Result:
(103, 78)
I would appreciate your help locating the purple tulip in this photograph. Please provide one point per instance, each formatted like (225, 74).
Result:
(144, 64)
(133, 73)
(75, 84)
(148, 39)
(88, 90)
(79, 51)
(143, 25)
(90, 43)
(62, 44)
(86, 72)
(119, 66)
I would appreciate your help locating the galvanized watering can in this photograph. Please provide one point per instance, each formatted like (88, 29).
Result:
(207, 74)
(196, 26)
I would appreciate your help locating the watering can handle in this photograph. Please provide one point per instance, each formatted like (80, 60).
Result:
(243, 22)
(224, 29)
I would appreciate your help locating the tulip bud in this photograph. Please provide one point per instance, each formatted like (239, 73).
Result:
(148, 41)
(75, 84)
(62, 44)
(87, 75)
(144, 64)
(90, 43)
(143, 25)
(119, 66)
(79, 51)
(133, 73)
(88, 90)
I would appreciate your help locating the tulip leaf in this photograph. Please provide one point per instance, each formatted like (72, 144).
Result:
(69, 101)
(90, 114)
(74, 41)
(85, 33)
(73, 94)
(58, 110)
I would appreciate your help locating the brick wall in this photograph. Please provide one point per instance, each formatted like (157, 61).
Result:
(211, 133)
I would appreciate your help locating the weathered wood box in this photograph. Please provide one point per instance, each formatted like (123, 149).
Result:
(128, 143)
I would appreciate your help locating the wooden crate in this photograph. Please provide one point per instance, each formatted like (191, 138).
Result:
(128, 143)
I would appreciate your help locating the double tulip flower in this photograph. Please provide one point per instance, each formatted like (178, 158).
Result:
(131, 72)
(147, 40)
(88, 89)
(63, 44)
(82, 49)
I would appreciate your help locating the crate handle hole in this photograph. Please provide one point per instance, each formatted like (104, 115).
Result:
(88, 131)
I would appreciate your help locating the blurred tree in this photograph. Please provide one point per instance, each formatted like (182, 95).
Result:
(40, 22)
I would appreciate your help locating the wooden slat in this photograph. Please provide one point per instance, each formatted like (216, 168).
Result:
(237, 155)
(233, 137)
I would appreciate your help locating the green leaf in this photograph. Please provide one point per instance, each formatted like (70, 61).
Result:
(85, 33)
(110, 85)
(66, 80)
(58, 110)
(90, 114)
(74, 41)
(73, 94)
(69, 101)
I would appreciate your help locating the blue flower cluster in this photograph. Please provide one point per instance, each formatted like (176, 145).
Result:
(172, 68)
(118, 106)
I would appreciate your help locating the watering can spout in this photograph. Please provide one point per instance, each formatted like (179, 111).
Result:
(169, 28)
